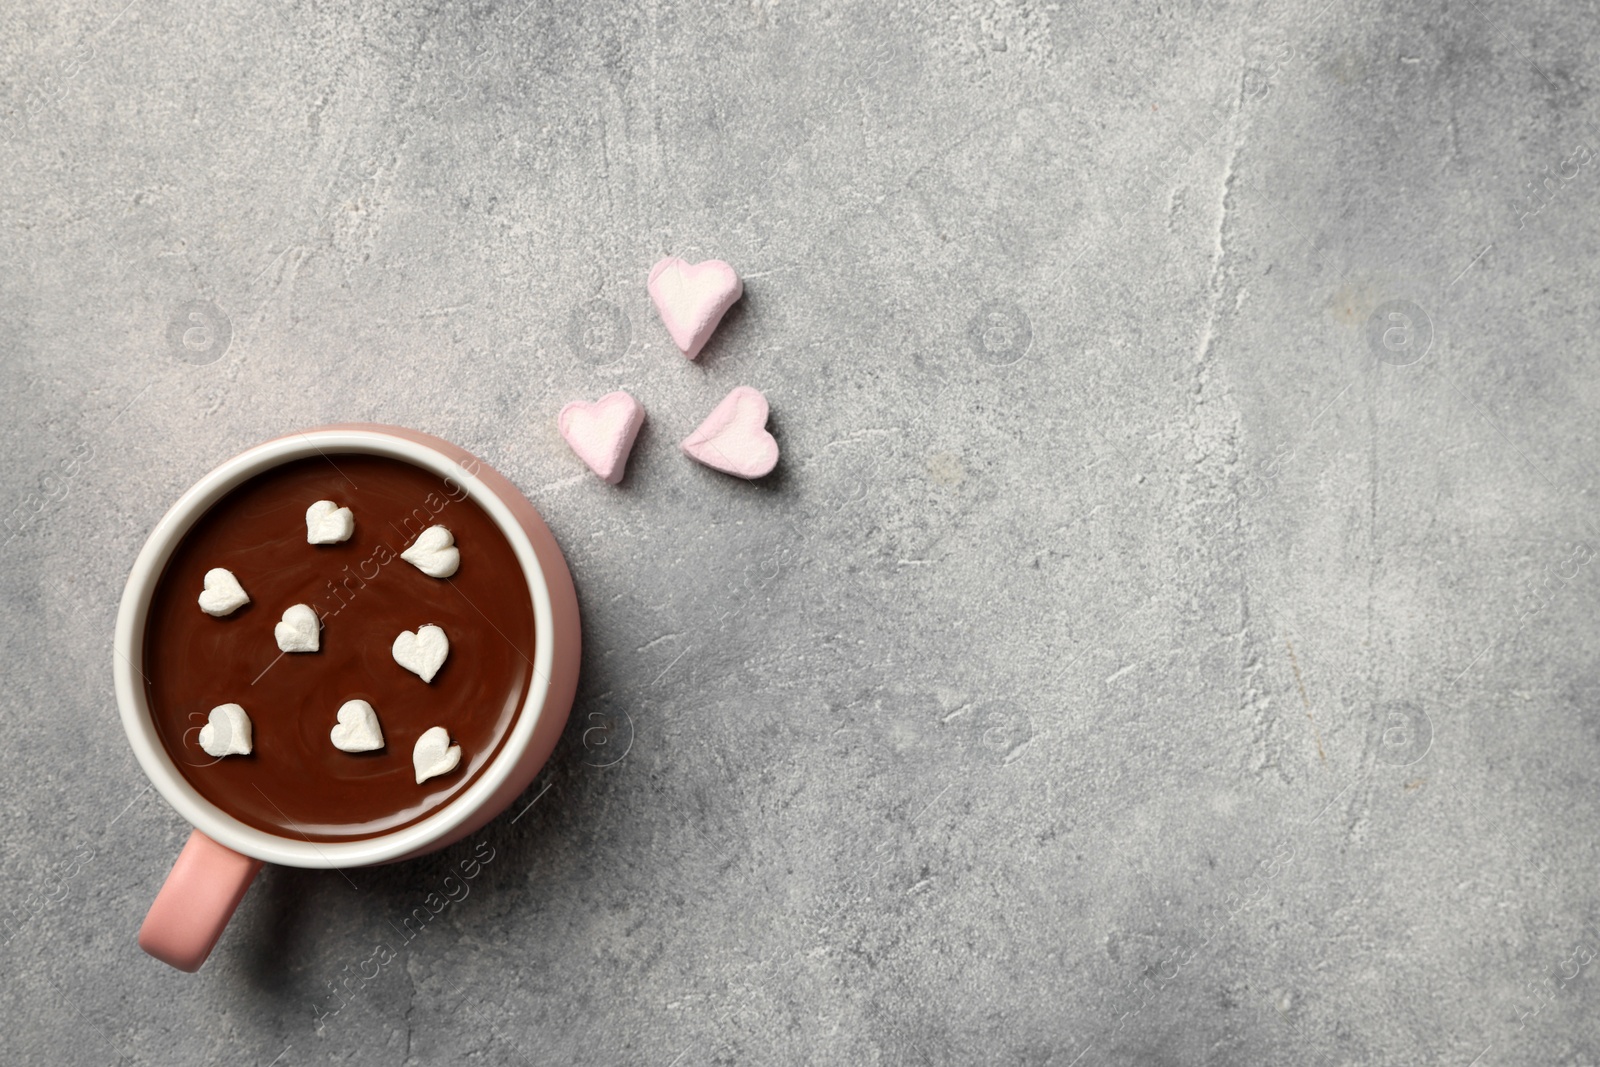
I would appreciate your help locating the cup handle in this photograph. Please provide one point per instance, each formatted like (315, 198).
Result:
(196, 902)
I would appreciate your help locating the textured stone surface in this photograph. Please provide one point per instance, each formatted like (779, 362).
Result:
(1146, 651)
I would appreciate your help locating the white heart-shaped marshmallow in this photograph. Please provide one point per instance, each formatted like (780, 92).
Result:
(422, 651)
(223, 595)
(226, 732)
(328, 524)
(434, 754)
(434, 553)
(358, 729)
(299, 631)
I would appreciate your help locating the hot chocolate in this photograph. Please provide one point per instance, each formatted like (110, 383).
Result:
(295, 782)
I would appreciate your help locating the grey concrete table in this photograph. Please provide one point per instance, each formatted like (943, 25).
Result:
(1168, 637)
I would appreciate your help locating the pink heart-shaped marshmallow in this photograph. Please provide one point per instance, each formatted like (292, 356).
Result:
(602, 433)
(692, 298)
(734, 438)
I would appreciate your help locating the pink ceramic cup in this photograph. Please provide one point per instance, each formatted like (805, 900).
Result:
(223, 854)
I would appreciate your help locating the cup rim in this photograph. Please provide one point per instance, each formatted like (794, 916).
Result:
(128, 645)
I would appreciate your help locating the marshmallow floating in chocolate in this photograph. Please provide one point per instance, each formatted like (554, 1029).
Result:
(328, 524)
(434, 553)
(692, 298)
(222, 595)
(226, 732)
(422, 651)
(434, 755)
(357, 729)
(602, 433)
(734, 439)
(299, 631)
